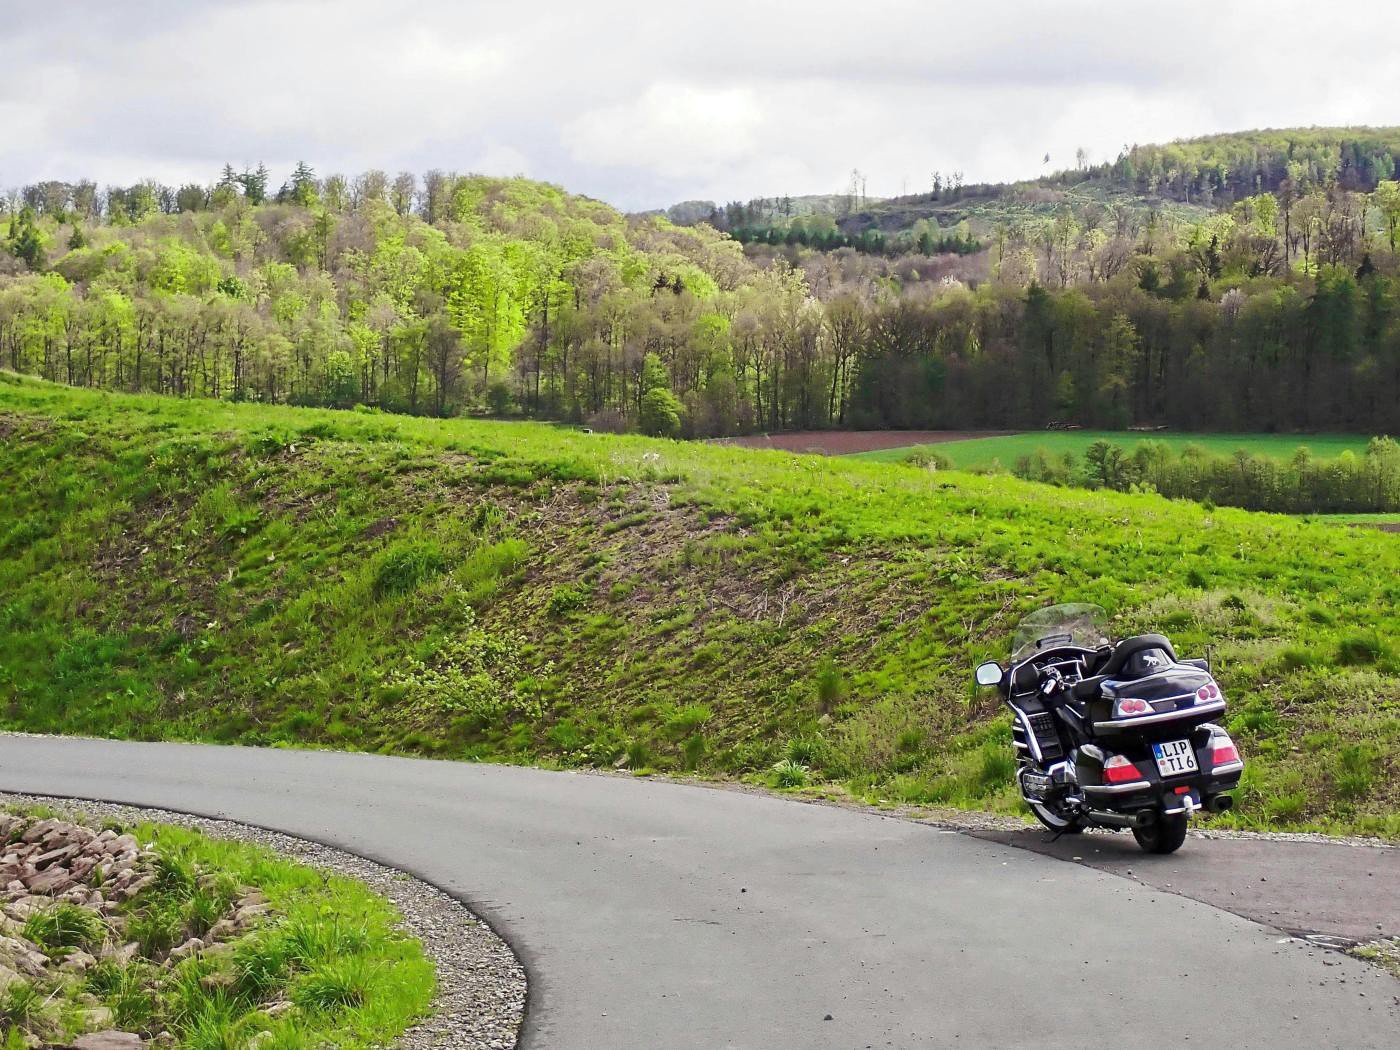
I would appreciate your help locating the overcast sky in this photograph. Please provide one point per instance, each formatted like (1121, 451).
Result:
(645, 104)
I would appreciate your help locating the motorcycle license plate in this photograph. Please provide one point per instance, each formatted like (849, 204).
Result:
(1175, 757)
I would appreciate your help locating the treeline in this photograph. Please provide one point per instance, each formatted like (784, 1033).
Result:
(872, 240)
(444, 294)
(1300, 484)
(1220, 169)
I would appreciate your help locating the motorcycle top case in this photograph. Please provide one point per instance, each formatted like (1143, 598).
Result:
(1175, 690)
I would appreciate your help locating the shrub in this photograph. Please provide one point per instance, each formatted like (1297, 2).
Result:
(64, 926)
(1360, 649)
(693, 752)
(805, 751)
(1355, 765)
(685, 720)
(660, 413)
(565, 600)
(339, 982)
(21, 1004)
(928, 459)
(789, 774)
(831, 686)
(401, 568)
(156, 930)
(997, 765)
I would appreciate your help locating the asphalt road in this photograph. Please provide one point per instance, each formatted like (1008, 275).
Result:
(663, 917)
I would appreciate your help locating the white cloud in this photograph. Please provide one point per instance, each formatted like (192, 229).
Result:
(673, 128)
(643, 105)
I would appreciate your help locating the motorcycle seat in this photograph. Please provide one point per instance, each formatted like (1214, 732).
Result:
(1131, 658)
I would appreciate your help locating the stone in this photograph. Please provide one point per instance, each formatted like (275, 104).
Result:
(34, 964)
(191, 946)
(37, 831)
(16, 946)
(77, 962)
(98, 1017)
(52, 881)
(107, 1041)
(140, 884)
(120, 954)
(217, 981)
(56, 856)
(249, 912)
(8, 977)
(222, 930)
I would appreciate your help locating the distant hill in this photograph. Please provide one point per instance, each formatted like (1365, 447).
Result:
(1186, 179)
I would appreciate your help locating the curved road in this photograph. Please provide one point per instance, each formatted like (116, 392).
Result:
(663, 917)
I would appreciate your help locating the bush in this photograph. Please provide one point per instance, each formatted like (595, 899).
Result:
(64, 926)
(660, 414)
(805, 751)
(404, 566)
(339, 982)
(1355, 774)
(789, 774)
(565, 600)
(928, 459)
(685, 720)
(1360, 649)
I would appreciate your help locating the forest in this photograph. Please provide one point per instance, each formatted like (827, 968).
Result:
(1276, 309)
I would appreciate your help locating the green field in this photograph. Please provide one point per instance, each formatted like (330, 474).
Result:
(523, 593)
(983, 453)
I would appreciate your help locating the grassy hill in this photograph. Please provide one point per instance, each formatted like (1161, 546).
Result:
(520, 592)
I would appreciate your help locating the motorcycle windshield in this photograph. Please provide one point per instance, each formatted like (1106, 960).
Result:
(1075, 624)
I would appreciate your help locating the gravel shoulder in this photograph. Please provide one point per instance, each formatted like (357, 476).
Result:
(481, 993)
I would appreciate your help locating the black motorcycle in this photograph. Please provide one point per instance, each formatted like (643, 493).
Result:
(1113, 735)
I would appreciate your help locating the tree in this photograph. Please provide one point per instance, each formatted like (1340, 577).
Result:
(660, 411)
(25, 241)
(303, 186)
(254, 184)
(401, 196)
(1387, 201)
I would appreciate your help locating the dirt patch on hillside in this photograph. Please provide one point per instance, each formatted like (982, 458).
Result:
(848, 442)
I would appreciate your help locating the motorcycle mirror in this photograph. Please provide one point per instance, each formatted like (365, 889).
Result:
(989, 673)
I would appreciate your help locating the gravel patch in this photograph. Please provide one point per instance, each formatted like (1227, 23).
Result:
(480, 1001)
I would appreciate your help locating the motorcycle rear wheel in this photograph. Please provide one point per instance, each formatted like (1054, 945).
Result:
(1164, 835)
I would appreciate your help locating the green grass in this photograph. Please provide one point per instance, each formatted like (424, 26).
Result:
(329, 945)
(526, 593)
(984, 453)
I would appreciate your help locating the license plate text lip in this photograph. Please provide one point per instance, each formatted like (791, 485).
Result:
(1175, 758)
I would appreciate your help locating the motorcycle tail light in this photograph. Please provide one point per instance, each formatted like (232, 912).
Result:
(1223, 752)
(1133, 706)
(1118, 770)
(1209, 691)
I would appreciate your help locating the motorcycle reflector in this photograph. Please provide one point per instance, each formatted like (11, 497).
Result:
(1118, 770)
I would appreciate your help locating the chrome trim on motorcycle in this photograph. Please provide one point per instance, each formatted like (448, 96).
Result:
(1212, 707)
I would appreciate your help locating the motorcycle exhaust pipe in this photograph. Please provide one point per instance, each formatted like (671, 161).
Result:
(1220, 803)
(1109, 819)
